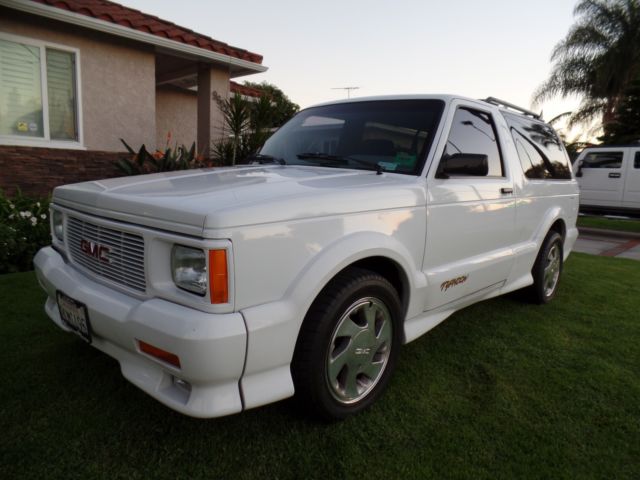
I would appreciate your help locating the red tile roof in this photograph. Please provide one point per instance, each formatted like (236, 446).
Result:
(244, 90)
(143, 22)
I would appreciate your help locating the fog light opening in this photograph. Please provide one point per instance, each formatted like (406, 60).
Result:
(181, 384)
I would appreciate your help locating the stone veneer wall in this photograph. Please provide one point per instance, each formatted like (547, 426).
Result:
(37, 171)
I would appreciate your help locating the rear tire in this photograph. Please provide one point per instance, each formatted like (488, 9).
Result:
(547, 269)
(348, 345)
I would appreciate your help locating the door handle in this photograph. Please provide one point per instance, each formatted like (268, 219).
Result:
(506, 191)
(614, 175)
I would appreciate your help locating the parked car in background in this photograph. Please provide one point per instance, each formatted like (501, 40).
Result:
(609, 178)
(361, 225)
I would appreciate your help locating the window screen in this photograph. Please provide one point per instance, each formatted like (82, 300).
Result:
(20, 90)
(61, 89)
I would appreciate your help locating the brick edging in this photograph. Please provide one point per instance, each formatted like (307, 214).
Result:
(608, 233)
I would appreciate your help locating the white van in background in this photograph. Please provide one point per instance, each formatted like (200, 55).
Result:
(609, 178)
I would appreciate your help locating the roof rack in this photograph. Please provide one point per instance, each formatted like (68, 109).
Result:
(502, 103)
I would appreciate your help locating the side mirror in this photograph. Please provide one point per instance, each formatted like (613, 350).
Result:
(579, 172)
(466, 164)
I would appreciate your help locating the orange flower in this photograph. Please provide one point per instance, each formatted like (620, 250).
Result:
(158, 155)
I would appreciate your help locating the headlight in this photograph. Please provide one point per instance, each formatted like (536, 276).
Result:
(58, 229)
(189, 269)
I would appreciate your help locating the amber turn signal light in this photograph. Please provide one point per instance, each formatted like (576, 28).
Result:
(163, 355)
(218, 276)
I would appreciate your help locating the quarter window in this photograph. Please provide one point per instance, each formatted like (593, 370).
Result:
(602, 160)
(38, 92)
(539, 148)
(473, 132)
(636, 160)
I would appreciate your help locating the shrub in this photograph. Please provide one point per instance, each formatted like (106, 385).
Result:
(246, 128)
(24, 229)
(169, 160)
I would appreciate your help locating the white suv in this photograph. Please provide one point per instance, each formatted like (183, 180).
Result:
(358, 227)
(609, 178)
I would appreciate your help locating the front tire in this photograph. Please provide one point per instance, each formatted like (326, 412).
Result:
(547, 269)
(348, 345)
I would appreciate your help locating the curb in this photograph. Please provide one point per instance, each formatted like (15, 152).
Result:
(608, 233)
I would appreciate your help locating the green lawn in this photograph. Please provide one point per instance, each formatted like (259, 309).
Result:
(500, 390)
(610, 223)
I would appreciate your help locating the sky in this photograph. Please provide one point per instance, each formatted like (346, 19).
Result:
(496, 48)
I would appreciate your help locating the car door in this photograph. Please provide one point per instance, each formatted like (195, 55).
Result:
(601, 177)
(470, 217)
(631, 195)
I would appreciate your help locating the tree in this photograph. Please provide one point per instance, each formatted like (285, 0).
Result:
(247, 124)
(236, 113)
(626, 127)
(283, 107)
(598, 59)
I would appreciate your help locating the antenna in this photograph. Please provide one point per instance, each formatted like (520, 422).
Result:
(348, 89)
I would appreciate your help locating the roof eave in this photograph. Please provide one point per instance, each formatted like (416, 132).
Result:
(237, 65)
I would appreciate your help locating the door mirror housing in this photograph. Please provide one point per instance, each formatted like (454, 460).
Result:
(465, 164)
(579, 172)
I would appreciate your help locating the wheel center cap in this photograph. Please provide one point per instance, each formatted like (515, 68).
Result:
(363, 346)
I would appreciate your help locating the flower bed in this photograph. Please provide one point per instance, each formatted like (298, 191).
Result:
(24, 229)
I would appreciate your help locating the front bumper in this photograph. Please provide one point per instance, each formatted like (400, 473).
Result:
(211, 347)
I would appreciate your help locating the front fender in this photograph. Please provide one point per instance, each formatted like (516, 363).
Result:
(273, 328)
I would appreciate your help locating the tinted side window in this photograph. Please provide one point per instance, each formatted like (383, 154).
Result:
(636, 160)
(473, 132)
(541, 151)
(602, 160)
(532, 161)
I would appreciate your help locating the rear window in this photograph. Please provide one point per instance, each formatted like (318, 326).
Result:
(540, 150)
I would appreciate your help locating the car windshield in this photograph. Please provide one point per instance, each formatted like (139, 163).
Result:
(387, 135)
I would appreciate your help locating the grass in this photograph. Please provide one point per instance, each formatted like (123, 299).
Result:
(632, 225)
(500, 390)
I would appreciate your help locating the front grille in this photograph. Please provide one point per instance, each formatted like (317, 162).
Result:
(112, 254)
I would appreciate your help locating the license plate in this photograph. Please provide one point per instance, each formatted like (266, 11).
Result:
(75, 316)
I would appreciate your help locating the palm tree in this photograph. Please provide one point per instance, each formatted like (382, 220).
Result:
(598, 59)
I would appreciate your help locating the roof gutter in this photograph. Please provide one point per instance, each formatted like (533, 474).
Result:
(129, 33)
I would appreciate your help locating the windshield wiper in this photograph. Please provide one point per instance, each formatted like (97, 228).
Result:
(264, 159)
(340, 159)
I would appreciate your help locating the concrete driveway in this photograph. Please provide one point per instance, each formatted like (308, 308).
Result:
(608, 243)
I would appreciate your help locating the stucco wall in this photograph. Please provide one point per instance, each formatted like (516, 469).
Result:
(176, 112)
(117, 81)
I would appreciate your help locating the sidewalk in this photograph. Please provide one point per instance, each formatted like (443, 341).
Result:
(608, 244)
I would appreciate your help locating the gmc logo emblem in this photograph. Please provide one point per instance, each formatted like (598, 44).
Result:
(95, 250)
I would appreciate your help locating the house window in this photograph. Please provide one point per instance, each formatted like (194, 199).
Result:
(38, 92)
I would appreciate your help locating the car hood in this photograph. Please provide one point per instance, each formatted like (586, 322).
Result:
(196, 200)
